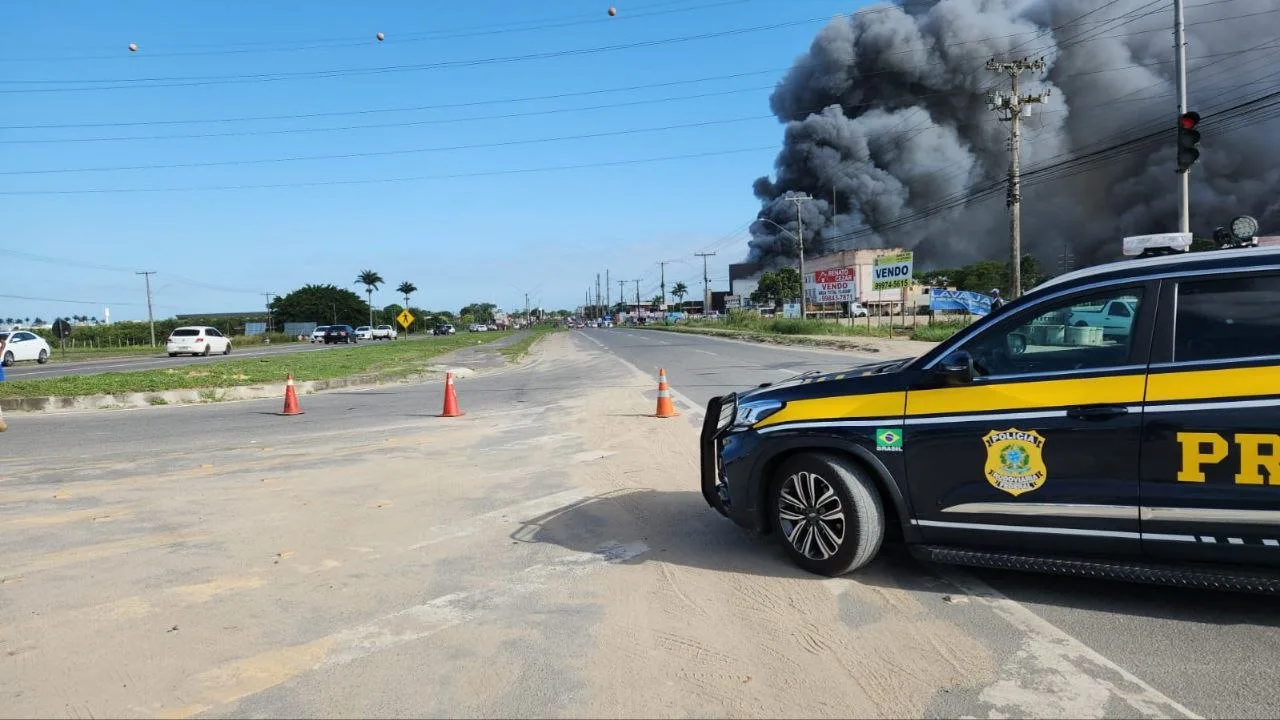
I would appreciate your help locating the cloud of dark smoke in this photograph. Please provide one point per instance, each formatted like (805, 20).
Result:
(886, 116)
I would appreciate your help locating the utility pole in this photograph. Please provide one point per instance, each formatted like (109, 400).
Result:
(268, 295)
(800, 200)
(706, 286)
(607, 299)
(526, 308)
(1011, 108)
(150, 318)
(1180, 57)
(622, 285)
(597, 295)
(637, 282)
(662, 265)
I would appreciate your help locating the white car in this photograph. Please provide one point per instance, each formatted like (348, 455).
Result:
(317, 335)
(384, 332)
(364, 332)
(22, 345)
(856, 309)
(197, 340)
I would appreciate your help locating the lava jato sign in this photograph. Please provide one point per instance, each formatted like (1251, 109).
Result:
(892, 271)
(835, 285)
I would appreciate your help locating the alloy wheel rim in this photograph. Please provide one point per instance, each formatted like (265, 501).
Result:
(811, 515)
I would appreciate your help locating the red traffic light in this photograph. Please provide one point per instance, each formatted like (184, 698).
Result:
(1188, 120)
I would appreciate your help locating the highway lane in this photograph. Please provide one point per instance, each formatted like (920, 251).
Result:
(1199, 648)
(370, 559)
(32, 371)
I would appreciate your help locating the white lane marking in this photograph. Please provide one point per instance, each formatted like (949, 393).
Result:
(694, 408)
(447, 611)
(534, 507)
(1055, 675)
(704, 352)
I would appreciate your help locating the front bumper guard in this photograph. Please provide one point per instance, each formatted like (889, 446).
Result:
(713, 491)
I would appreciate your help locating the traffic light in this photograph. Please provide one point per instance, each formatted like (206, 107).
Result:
(1188, 138)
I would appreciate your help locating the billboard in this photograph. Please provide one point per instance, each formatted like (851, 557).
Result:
(959, 300)
(892, 271)
(836, 285)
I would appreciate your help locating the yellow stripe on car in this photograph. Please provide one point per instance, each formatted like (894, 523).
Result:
(1203, 384)
(1116, 389)
(874, 405)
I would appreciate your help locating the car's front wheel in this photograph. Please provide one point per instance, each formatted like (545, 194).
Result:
(206, 351)
(43, 357)
(827, 514)
(227, 350)
(8, 359)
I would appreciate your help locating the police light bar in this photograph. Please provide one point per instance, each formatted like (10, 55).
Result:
(1159, 243)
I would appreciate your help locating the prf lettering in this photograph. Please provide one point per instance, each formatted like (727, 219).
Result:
(1257, 452)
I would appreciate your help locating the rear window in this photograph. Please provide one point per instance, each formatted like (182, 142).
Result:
(186, 332)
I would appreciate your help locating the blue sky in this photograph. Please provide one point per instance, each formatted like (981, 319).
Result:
(464, 224)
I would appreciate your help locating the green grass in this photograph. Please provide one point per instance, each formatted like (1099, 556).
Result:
(937, 332)
(514, 351)
(752, 326)
(387, 361)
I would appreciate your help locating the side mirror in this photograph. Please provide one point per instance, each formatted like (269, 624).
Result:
(957, 367)
(1017, 343)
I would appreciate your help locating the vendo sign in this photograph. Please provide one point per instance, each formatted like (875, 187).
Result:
(835, 285)
(892, 271)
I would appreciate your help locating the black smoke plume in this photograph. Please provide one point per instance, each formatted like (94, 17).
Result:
(887, 122)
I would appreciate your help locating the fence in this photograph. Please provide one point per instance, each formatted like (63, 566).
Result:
(294, 329)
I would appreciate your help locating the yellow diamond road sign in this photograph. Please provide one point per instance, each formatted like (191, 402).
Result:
(405, 318)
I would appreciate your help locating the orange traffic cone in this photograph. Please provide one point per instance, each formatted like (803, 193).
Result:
(665, 408)
(450, 398)
(291, 398)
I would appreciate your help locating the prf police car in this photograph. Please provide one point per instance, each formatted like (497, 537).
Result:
(1119, 421)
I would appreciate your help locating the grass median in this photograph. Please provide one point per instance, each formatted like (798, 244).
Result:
(389, 361)
(517, 349)
(751, 325)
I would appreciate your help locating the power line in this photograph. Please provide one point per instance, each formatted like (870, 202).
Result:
(409, 178)
(392, 153)
(396, 38)
(203, 80)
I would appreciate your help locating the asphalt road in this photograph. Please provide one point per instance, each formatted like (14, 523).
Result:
(1199, 648)
(32, 371)
(546, 554)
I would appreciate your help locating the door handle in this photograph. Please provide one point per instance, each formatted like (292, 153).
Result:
(1094, 413)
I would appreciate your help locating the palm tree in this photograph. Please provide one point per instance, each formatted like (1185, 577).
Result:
(371, 280)
(406, 289)
(678, 291)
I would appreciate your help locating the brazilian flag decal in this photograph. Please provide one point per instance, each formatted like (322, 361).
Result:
(889, 440)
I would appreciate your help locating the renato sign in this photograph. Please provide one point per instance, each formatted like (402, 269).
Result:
(832, 286)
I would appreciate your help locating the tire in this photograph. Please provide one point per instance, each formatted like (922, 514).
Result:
(173, 354)
(206, 351)
(1081, 323)
(227, 350)
(848, 492)
(8, 359)
(43, 357)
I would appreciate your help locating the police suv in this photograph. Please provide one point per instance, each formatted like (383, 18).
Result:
(1118, 421)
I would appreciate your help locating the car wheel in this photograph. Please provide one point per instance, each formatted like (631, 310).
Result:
(206, 351)
(173, 354)
(44, 357)
(227, 350)
(8, 359)
(828, 516)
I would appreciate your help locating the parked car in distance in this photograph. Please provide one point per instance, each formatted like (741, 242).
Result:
(477, 327)
(384, 332)
(22, 345)
(857, 309)
(340, 334)
(197, 340)
(445, 329)
(364, 332)
(317, 335)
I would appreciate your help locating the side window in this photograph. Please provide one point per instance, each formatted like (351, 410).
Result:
(1078, 333)
(1226, 318)
(212, 332)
